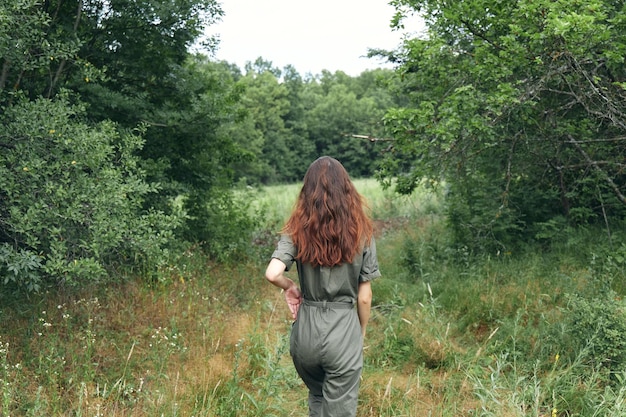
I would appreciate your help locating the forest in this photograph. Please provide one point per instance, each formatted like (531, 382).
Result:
(142, 184)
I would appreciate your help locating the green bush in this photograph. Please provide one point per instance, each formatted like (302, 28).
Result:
(596, 329)
(222, 221)
(70, 198)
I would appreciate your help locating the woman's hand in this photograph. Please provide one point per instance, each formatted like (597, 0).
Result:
(293, 296)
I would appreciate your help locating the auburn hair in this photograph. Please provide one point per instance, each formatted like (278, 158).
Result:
(329, 223)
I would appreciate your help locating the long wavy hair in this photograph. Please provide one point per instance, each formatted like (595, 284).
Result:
(329, 223)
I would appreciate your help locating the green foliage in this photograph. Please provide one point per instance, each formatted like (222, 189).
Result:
(104, 54)
(21, 267)
(265, 132)
(71, 198)
(596, 330)
(23, 26)
(193, 153)
(521, 213)
(395, 345)
(337, 115)
(423, 254)
(519, 109)
(290, 121)
(223, 223)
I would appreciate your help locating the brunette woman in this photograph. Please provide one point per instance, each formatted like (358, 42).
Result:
(329, 237)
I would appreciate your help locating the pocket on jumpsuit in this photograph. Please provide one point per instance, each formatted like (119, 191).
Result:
(292, 338)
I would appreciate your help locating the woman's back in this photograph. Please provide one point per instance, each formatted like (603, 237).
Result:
(329, 224)
(334, 283)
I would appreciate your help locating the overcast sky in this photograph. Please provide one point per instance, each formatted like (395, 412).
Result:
(310, 35)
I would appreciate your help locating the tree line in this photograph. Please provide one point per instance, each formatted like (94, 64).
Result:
(120, 147)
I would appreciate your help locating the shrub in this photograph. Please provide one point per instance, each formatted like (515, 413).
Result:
(596, 329)
(70, 198)
(222, 221)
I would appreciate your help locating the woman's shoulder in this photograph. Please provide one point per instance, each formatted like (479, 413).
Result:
(285, 239)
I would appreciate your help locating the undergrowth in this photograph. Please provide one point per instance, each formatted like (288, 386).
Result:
(539, 333)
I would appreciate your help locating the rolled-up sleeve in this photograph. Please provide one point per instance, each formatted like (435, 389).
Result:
(285, 251)
(369, 269)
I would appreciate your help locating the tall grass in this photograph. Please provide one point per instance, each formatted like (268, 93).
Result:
(534, 334)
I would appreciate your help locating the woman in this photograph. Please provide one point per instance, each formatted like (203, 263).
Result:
(329, 236)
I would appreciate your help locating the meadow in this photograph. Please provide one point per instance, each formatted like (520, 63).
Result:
(540, 333)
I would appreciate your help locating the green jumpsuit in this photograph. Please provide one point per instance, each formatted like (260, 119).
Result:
(326, 343)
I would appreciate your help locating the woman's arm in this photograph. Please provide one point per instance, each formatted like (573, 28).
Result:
(293, 296)
(364, 304)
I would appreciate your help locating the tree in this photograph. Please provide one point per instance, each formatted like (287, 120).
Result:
(101, 106)
(295, 121)
(290, 121)
(520, 108)
(129, 46)
(338, 115)
(265, 101)
(192, 155)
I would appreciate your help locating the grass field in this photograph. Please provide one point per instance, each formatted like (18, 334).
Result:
(505, 335)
